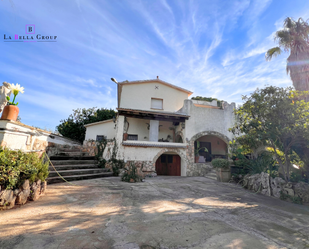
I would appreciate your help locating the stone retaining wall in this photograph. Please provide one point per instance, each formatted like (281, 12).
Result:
(267, 185)
(27, 192)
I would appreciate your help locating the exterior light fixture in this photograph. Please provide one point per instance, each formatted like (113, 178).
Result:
(114, 80)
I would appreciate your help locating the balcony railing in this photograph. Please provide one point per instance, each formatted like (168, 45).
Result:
(153, 144)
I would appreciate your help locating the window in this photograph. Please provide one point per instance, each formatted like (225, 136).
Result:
(132, 137)
(156, 103)
(100, 138)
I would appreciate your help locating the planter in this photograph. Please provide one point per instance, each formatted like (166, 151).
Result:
(197, 158)
(223, 175)
(10, 112)
(125, 136)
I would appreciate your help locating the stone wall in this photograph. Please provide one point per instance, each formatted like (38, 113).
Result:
(18, 136)
(267, 185)
(199, 169)
(27, 192)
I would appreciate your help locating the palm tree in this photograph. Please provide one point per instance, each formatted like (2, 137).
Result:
(294, 38)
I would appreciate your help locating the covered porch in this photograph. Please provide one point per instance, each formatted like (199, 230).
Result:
(155, 127)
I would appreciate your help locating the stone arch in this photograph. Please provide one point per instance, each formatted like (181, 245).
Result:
(184, 159)
(214, 133)
(201, 134)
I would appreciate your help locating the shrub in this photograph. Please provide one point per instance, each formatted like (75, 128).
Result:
(220, 163)
(131, 175)
(263, 163)
(17, 166)
(117, 165)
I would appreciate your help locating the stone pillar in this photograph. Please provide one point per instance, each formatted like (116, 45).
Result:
(154, 130)
(119, 128)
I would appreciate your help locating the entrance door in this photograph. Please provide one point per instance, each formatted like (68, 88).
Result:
(168, 165)
(207, 155)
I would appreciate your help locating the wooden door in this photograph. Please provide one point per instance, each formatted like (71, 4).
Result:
(168, 165)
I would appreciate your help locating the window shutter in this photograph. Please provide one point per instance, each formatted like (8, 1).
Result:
(157, 103)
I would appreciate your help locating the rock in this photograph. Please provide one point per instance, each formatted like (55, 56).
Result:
(276, 185)
(288, 185)
(265, 183)
(25, 185)
(38, 182)
(288, 191)
(302, 190)
(22, 197)
(7, 199)
(264, 191)
(43, 187)
(35, 192)
(254, 182)
(17, 191)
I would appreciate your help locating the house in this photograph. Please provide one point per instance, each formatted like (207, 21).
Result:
(159, 126)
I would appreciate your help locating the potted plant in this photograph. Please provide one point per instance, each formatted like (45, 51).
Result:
(11, 110)
(197, 151)
(223, 169)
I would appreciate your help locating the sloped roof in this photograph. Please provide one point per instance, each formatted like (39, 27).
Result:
(126, 82)
(99, 122)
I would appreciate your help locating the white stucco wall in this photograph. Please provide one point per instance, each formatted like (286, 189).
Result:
(138, 96)
(105, 128)
(208, 119)
(18, 136)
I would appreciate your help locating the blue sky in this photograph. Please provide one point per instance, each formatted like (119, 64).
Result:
(213, 48)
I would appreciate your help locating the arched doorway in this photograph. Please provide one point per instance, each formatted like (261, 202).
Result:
(169, 164)
(217, 147)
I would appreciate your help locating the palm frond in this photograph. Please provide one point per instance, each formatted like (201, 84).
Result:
(284, 38)
(273, 52)
(289, 23)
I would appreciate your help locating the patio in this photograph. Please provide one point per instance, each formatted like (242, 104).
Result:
(163, 212)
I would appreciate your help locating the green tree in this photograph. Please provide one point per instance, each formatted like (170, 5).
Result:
(73, 127)
(294, 38)
(278, 117)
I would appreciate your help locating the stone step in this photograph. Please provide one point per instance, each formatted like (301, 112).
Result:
(73, 162)
(212, 175)
(73, 172)
(57, 179)
(73, 153)
(69, 150)
(72, 158)
(77, 166)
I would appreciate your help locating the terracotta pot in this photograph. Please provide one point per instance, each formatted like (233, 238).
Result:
(223, 175)
(10, 112)
(197, 158)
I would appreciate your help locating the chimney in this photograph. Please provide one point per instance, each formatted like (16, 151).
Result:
(157, 77)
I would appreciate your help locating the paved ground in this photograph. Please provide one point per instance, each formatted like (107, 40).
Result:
(163, 212)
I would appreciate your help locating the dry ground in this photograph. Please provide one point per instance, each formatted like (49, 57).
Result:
(163, 212)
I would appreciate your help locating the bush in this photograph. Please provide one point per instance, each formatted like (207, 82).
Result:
(263, 163)
(17, 166)
(131, 175)
(117, 165)
(220, 163)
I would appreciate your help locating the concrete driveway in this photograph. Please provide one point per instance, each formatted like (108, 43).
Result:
(163, 212)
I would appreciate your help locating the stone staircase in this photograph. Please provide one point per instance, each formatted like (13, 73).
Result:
(212, 175)
(73, 165)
